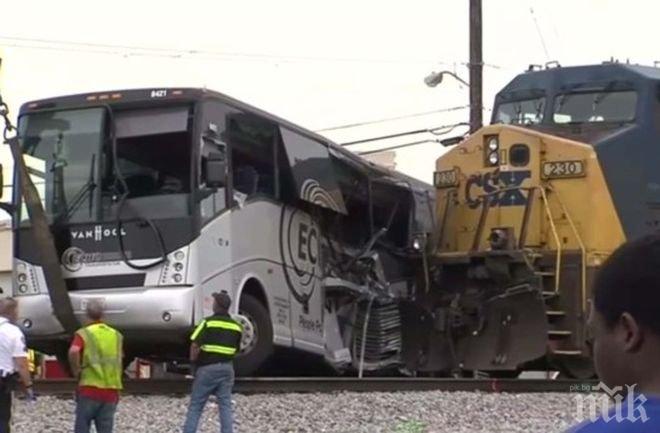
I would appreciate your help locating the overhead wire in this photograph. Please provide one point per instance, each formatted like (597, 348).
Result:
(388, 119)
(447, 130)
(155, 51)
(399, 146)
(435, 131)
(540, 33)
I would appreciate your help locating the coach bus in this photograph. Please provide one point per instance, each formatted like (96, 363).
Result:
(156, 198)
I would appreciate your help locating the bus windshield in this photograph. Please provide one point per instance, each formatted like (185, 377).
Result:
(71, 160)
(590, 107)
(522, 112)
(62, 153)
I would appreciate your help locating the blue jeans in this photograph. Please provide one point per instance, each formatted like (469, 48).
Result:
(217, 379)
(88, 410)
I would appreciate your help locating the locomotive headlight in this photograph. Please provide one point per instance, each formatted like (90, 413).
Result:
(498, 239)
(178, 267)
(21, 278)
(179, 255)
(22, 288)
(493, 143)
(491, 150)
(177, 278)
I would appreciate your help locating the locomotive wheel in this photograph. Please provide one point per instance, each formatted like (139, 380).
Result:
(257, 340)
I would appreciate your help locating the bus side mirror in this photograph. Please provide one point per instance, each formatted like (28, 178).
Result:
(215, 170)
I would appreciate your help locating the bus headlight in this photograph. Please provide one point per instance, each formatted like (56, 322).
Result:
(175, 268)
(25, 281)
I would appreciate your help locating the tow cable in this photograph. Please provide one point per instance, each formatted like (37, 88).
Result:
(41, 234)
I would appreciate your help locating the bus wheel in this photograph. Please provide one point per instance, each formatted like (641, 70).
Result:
(257, 341)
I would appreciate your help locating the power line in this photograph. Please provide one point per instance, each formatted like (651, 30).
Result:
(388, 119)
(102, 48)
(439, 130)
(399, 146)
(384, 137)
(538, 30)
(447, 130)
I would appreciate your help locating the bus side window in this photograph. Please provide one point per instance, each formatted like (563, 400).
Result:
(252, 142)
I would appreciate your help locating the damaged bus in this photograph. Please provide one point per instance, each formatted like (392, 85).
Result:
(156, 198)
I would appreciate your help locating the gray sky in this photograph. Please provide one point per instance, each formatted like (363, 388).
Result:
(319, 64)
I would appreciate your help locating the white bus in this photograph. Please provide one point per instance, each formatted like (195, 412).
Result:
(157, 198)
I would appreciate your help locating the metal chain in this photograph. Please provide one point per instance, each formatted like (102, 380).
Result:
(9, 127)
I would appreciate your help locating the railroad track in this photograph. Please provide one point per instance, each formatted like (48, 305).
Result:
(335, 384)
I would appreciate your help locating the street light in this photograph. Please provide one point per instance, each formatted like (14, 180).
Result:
(435, 78)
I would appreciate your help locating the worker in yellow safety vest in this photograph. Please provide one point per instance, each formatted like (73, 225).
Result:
(96, 359)
(32, 364)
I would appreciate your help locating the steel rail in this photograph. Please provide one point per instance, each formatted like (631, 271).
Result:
(336, 384)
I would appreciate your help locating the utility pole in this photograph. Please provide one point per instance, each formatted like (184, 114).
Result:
(476, 66)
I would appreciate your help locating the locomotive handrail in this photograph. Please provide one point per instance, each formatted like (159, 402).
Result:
(583, 249)
(546, 206)
(445, 215)
(553, 228)
(555, 234)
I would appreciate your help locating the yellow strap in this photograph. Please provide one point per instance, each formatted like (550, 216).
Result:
(198, 330)
(224, 325)
(214, 348)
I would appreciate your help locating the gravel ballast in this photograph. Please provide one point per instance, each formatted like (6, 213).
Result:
(402, 412)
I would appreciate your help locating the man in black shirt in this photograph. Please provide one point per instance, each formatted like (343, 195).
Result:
(215, 342)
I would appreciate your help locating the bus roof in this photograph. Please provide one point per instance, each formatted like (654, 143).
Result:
(129, 98)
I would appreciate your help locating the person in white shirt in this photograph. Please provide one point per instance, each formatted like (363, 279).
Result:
(13, 360)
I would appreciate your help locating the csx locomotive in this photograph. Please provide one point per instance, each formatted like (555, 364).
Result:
(528, 208)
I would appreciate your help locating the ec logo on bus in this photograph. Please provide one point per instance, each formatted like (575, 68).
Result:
(74, 258)
(500, 188)
(299, 247)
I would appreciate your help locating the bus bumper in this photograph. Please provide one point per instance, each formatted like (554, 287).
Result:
(130, 310)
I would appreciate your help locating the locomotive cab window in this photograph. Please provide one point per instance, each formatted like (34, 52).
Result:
(595, 107)
(522, 112)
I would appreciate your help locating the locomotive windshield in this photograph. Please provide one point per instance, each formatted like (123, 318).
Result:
(522, 112)
(588, 107)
